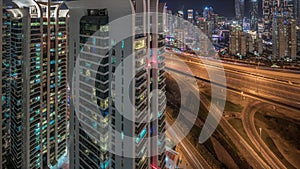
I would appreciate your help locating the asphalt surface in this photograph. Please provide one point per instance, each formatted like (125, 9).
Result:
(267, 86)
(249, 126)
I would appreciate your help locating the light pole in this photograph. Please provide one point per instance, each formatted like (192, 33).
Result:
(260, 130)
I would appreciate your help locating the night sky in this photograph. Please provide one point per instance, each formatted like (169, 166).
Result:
(221, 7)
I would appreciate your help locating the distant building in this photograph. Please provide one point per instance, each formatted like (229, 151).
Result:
(239, 9)
(268, 9)
(206, 26)
(208, 13)
(190, 15)
(284, 38)
(259, 46)
(197, 16)
(179, 35)
(297, 10)
(298, 39)
(254, 14)
(250, 43)
(170, 23)
(237, 45)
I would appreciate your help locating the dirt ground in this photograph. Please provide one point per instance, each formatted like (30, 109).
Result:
(284, 132)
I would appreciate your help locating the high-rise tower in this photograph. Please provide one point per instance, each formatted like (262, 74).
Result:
(240, 9)
(254, 14)
(38, 67)
(116, 52)
(4, 86)
(284, 38)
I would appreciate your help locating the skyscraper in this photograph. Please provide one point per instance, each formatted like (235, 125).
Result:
(38, 85)
(297, 10)
(240, 9)
(4, 86)
(267, 8)
(254, 14)
(170, 24)
(287, 9)
(113, 55)
(208, 13)
(237, 45)
(190, 15)
(284, 38)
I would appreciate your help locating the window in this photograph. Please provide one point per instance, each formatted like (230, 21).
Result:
(104, 29)
(113, 60)
(140, 44)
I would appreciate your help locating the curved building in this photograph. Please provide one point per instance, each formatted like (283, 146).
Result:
(115, 64)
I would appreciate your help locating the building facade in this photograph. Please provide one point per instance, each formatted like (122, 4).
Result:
(284, 38)
(237, 39)
(4, 86)
(240, 9)
(37, 92)
(254, 14)
(106, 55)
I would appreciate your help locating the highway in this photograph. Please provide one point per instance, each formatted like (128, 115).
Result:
(180, 130)
(251, 156)
(241, 144)
(190, 153)
(256, 82)
(249, 126)
(262, 85)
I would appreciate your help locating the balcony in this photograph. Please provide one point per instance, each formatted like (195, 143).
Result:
(139, 101)
(140, 54)
(141, 74)
(142, 107)
(140, 65)
(161, 65)
(141, 116)
(140, 91)
(140, 44)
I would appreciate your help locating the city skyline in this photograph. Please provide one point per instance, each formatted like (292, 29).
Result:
(224, 8)
(149, 84)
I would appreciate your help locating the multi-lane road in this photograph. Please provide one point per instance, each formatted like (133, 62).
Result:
(241, 144)
(276, 88)
(195, 160)
(179, 130)
(249, 126)
(279, 88)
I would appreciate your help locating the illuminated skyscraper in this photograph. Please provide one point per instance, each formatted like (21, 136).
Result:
(288, 9)
(284, 38)
(37, 92)
(105, 134)
(267, 7)
(190, 15)
(170, 25)
(254, 14)
(237, 45)
(208, 13)
(240, 9)
(4, 86)
(297, 10)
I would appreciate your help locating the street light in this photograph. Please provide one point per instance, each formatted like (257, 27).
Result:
(242, 94)
(260, 130)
